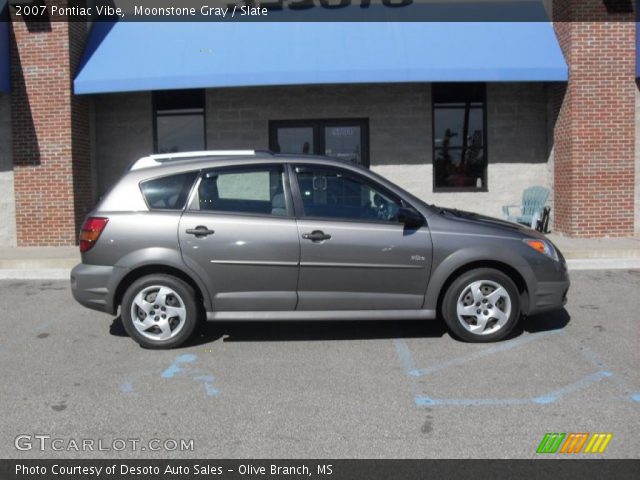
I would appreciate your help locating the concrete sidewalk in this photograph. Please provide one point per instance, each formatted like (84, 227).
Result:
(28, 263)
(581, 254)
(599, 253)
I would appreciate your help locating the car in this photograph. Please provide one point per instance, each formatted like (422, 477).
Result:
(249, 235)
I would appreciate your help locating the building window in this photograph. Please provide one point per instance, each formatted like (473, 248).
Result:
(459, 137)
(179, 121)
(345, 139)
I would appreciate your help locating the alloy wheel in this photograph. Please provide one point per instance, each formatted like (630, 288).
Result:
(483, 307)
(158, 312)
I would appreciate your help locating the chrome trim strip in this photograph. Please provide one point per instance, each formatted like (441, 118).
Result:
(254, 262)
(358, 265)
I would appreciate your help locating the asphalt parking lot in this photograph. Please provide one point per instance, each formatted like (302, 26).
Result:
(308, 390)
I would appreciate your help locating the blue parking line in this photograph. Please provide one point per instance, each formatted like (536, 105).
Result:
(175, 367)
(428, 402)
(178, 366)
(404, 354)
(582, 383)
(624, 385)
(207, 383)
(406, 359)
(126, 387)
(519, 342)
(424, 401)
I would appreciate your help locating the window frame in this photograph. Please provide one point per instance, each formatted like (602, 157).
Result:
(154, 116)
(289, 203)
(485, 147)
(299, 203)
(318, 125)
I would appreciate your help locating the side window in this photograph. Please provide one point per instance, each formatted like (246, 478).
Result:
(168, 193)
(257, 190)
(334, 193)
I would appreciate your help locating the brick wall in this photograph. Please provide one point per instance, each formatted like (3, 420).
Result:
(637, 199)
(595, 132)
(7, 199)
(50, 132)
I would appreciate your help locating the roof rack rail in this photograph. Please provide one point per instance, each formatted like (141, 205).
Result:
(160, 158)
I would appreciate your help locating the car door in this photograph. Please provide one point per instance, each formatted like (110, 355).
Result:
(240, 235)
(354, 253)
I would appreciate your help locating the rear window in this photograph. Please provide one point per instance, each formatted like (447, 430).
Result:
(168, 193)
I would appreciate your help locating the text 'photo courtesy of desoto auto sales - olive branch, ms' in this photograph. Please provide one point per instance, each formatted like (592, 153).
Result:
(333, 239)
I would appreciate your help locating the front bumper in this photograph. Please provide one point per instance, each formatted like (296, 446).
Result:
(552, 284)
(90, 286)
(550, 296)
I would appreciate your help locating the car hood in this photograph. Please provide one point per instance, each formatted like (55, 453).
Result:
(491, 222)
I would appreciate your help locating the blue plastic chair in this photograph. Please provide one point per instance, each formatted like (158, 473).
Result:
(533, 202)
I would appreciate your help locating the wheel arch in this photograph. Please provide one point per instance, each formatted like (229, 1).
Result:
(158, 268)
(508, 270)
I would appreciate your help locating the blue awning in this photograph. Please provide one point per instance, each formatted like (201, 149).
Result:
(131, 56)
(5, 72)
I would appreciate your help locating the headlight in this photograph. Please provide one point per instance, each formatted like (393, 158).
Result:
(542, 246)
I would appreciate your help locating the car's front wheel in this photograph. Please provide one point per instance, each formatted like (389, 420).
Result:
(159, 311)
(481, 305)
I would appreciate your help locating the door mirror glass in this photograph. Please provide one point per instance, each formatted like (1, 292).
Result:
(410, 217)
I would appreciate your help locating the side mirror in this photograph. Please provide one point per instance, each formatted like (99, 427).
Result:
(410, 217)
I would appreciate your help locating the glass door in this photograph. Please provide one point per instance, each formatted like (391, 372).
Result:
(295, 140)
(344, 139)
(343, 142)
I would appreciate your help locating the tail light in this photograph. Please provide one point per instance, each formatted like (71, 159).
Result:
(90, 232)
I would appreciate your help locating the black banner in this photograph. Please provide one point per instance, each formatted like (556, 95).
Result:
(323, 10)
(318, 469)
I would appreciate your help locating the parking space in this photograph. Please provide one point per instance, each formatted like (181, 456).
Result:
(350, 389)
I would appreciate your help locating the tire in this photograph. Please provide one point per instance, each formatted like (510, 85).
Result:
(474, 293)
(148, 299)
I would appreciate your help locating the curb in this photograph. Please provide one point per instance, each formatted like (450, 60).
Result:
(35, 273)
(603, 263)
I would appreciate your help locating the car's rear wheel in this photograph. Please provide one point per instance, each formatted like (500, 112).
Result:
(481, 305)
(159, 311)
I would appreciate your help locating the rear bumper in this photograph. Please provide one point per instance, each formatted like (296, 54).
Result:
(90, 286)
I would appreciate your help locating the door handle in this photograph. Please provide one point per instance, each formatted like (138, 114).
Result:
(316, 236)
(200, 231)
